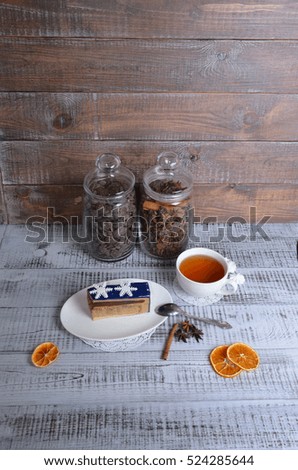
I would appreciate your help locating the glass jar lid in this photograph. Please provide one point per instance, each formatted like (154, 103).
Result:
(109, 179)
(168, 181)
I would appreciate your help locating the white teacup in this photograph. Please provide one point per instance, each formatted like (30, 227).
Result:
(205, 289)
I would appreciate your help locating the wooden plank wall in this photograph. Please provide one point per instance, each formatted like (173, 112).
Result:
(215, 81)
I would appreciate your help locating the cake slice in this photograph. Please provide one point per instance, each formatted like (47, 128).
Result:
(117, 300)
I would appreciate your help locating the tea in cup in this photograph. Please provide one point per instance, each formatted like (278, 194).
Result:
(202, 272)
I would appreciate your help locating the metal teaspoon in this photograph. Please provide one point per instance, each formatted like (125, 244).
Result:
(168, 310)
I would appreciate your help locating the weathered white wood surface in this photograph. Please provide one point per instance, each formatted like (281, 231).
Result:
(134, 400)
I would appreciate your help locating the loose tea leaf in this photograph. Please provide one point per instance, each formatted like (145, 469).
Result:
(110, 222)
(165, 225)
(106, 188)
(167, 186)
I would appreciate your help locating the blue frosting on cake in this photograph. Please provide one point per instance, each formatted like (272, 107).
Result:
(122, 291)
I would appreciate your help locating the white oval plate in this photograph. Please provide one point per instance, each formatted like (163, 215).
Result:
(76, 317)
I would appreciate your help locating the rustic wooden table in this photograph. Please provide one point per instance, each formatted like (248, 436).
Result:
(134, 400)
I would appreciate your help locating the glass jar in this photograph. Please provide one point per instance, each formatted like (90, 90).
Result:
(166, 208)
(110, 209)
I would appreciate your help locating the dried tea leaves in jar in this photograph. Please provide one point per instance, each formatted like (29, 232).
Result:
(166, 208)
(110, 209)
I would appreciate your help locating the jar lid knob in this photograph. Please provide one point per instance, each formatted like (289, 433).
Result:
(168, 160)
(108, 162)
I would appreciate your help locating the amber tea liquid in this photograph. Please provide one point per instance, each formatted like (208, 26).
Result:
(201, 268)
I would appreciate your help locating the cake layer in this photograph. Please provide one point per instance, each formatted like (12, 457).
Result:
(118, 309)
(115, 300)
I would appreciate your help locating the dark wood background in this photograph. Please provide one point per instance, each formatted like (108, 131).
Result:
(216, 81)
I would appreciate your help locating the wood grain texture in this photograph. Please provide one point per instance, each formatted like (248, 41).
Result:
(134, 400)
(61, 162)
(3, 212)
(237, 200)
(106, 427)
(219, 201)
(47, 116)
(53, 202)
(199, 116)
(51, 247)
(263, 286)
(264, 324)
(160, 116)
(159, 19)
(138, 381)
(207, 76)
(2, 232)
(87, 65)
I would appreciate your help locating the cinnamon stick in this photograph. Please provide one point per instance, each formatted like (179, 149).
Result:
(169, 342)
(155, 206)
(150, 205)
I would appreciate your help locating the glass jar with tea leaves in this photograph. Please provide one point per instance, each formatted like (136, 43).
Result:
(110, 209)
(166, 208)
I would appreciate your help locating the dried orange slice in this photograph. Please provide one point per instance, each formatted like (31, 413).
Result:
(221, 364)
(44, 354)
(243, 356)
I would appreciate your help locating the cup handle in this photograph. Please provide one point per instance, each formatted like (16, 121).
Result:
(231, 266)
(234, 279)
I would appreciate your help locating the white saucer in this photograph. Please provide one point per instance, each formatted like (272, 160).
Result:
(198, 301)
(113, 334)
(237, 279)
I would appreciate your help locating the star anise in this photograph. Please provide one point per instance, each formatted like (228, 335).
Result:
(182, 331)
(187, 330)
(181, 335)
(196, 333)
(185, 326)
